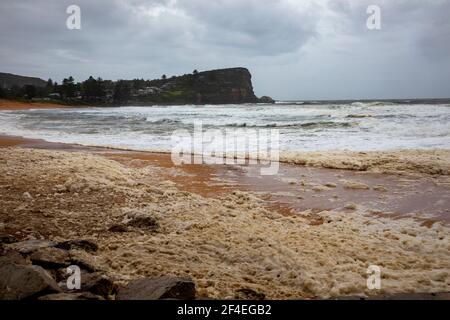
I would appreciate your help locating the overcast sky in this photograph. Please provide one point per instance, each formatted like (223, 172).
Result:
(295, 49)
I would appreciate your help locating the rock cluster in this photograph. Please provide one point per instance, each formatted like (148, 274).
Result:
(37, 269)
(158, 288)
(266, 99)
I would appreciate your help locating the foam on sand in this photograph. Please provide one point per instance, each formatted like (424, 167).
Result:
(398, 161)
(225, 243)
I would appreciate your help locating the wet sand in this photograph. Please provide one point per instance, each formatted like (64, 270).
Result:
(307, 232)
(295, 188)
(209, 229)
(19, 105)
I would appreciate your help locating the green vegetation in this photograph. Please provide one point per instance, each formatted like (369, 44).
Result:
(99, 91)
(217, 86)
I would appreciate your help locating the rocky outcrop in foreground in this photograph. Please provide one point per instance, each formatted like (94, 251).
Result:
(158, 288)
(37, 270)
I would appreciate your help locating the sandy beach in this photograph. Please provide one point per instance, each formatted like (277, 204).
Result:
(225, 155)
(228, 231)
(18, 105)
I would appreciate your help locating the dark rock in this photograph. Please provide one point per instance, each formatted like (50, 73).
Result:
(232, 85)
(61, 275)
(97, 284)
(158, 288)
(266, 99)
(7, 238)
(71, 296)
(29, 246)
(119, 228)
(21, 282)
(84, 261)
(87, 245)
(16, 257)
(50, 258)
(144, 223)
(249, 294)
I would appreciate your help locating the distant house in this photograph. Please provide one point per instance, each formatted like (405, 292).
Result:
(54, 96)
(148, 91)
(168, 86)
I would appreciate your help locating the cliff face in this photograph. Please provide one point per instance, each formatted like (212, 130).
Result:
(222, 86)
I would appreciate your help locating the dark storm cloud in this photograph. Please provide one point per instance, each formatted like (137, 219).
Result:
(295, 49)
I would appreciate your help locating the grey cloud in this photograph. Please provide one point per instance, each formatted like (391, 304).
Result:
(259, 27)
(295, 49)
(424, 25)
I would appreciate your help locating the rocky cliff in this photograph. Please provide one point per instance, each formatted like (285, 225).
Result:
(222, 86)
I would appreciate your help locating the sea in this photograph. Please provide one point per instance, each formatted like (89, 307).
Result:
(301, 125)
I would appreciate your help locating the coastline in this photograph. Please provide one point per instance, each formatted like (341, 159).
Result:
(378, 171)
(20, 105)
(397, 161)
(218, 228)
(198, 153)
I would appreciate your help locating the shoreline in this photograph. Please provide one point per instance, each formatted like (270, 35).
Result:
(389, 161)
(379, 171)
(434, 161)
(7, 105)
(229, 229)
(415, 193)
(225, 241)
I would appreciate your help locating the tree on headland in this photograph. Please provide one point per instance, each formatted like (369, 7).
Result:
(89, 87)
(49, 87)
(195, 72)
(16, 92)
(138, 84)
(93, 89)
(164, 77)
(30, 91)
(49, 83)
(101, 90)
(122, 91)
(68, 88)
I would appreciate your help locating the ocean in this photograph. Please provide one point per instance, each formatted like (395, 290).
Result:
(302, 126)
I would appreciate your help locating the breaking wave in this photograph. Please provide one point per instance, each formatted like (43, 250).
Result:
(304, 125)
